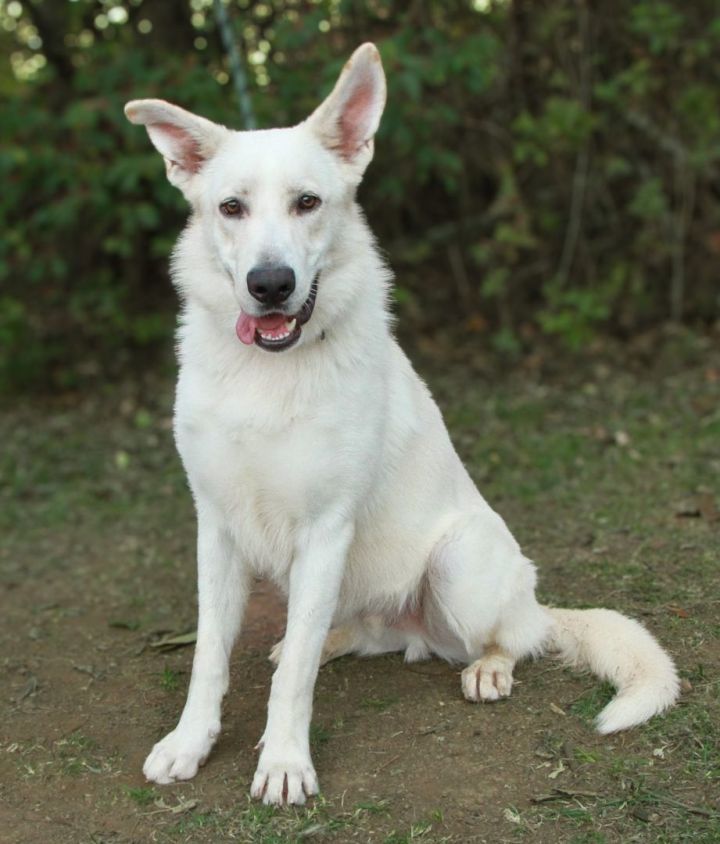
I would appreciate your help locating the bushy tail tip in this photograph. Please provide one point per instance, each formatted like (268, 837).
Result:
(620, 650)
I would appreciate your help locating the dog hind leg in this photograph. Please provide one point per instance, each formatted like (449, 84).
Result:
(367, 636)
(481, 600)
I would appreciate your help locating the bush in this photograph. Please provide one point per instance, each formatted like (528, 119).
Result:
(555, 165)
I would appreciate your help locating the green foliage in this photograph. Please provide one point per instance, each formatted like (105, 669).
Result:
(658, 24)
(566, 155)
(89, 221)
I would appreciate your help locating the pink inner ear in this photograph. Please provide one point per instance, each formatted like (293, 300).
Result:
(353, 121)
(186, 150)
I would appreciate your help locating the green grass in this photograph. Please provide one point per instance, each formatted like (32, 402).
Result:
(142, 796)
(169, 680)
(319, 735)
(79, 755)
(589, 705)
(416, 832)
(259, 824)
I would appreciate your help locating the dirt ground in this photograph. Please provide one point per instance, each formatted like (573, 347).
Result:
(606, 467)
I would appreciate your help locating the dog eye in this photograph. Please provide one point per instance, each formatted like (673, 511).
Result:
(232, 207)
(308, 202)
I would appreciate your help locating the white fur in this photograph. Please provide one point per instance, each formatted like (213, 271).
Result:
(327, 467)
(620, 650)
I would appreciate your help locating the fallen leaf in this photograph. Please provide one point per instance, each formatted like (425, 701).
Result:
(702, 507)
(707, 507)
(553, 775)
(563, 794)
(184, 806)
(642, 814)
(512, 815)
(179, 808)
(177, 640)
(621, 438)
(29, 689)
(89, 669)
(687, 510)
(312, 830)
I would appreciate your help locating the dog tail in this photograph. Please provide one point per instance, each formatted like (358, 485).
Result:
(620, 650)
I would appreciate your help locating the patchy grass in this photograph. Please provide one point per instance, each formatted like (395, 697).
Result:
(268, 825)
(609, 476)
(319, 735)
(588, 705)
(170, 680)
(141, 795)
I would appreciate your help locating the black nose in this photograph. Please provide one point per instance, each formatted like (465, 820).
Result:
(271, 285)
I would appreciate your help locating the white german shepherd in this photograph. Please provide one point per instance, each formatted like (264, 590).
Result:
(318, 458)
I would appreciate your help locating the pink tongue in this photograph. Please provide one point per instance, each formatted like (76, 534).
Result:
(245, 328)
(246, 325)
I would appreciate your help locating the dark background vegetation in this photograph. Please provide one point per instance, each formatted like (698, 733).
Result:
(545, 168)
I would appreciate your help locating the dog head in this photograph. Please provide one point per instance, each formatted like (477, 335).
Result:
(271, 202)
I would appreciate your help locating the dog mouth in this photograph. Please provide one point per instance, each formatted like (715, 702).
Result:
(276, 331)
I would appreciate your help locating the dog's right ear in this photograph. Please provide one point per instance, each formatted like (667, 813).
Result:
(184, 140)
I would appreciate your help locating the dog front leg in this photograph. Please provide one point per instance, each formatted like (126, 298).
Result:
(285, 772)
(222, 595)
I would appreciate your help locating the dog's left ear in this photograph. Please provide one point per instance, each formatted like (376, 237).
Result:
(347, 120)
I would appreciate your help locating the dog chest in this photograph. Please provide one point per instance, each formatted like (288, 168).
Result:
(268, 472)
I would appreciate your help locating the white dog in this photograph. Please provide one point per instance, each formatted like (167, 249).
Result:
(318, 458)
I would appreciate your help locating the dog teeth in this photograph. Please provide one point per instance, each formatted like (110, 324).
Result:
(289, 328)
(275, 336)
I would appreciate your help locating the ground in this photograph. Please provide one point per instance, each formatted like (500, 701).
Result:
(607, 467)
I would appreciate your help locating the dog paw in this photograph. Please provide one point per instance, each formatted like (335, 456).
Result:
(487, 679)
(179, 755)
(284, 782)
